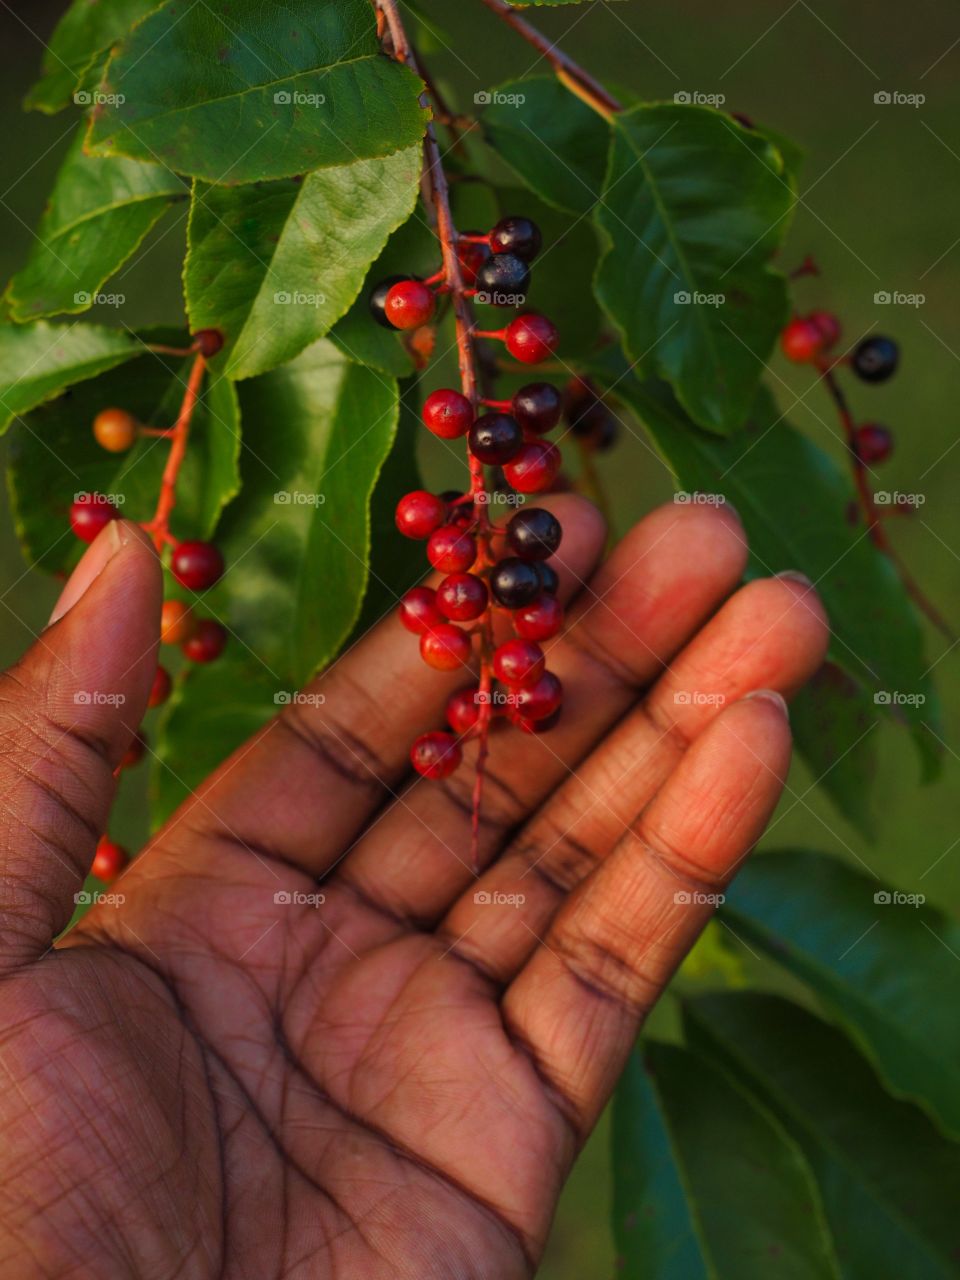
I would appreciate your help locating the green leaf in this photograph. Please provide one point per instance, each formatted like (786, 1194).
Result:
(412, 249)
(78, 48)
(693, 208)
(273, 266)
(793, 500)
(887, 969)
(888, 1179)
(98, 213)
(551, 139)
(37, 361)
(254, 89)
(707, 1185)
(834, 722)
(316, 433)
(213, 710)
(53, 456)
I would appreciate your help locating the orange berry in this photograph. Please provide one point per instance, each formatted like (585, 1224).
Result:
(177, 622)
(115, 430)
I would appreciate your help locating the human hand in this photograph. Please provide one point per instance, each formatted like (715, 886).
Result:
(220, 1077)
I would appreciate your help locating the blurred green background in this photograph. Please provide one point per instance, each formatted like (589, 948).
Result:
(879, 193)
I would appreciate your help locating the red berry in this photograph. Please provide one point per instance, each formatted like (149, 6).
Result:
(463, 709)
(109, 860)
(828, 325)
(134, 753)
(540, 620)
(537, 701)
(207, 642)
(436, 755)
(208, 342)
(518, 662)
(527, 725)
(419, 513)
(531, 338)
(873, 443)
(462, 597)
(472, 257)
(160, 690)
(451, 550)
(534, 468)
(445, 648)
(196, 565)
(418, 610)
(90, 513)
(408, 303)
(447, 414)
(802, 340)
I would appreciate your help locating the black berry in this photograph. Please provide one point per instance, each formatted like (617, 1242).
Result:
(515, 582)
(548, 578)
(503, 277)
(534, 533)
(495, 438)
(518, 236)
(537, 407)
(875, 359)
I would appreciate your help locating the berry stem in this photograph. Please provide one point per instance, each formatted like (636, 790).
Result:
(159, 526)
(570, 73)
(874, 519)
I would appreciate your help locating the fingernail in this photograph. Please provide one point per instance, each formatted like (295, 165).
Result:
(95, 559)
(794, 575)
(771, 696)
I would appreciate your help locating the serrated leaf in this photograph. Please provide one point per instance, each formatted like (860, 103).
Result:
(316, 433)
(38, 361)
(551, 139)
(888, 1179)
(78, 48)
(53, 456)
(834, 723)
(694, 206)
(98, 213)
(794, 502)
(886, 969)
(273, 266)
(412, 249)
(690, 1151)
(254, 89)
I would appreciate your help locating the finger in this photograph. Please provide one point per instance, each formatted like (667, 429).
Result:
(772, 634)
(577, 1004)
(669, 574)
(68, 711)
(305, 785)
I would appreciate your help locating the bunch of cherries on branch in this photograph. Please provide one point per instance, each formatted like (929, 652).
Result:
(194, 564)
(487, 570)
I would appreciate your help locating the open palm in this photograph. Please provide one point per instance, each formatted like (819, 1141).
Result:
(311, 1041)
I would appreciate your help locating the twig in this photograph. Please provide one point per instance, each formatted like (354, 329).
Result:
(159, 526)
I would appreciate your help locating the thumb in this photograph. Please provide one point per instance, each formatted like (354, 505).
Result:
(68, 711)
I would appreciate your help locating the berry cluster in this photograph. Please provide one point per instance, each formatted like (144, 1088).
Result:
(195, 565)
(809, 340)
(489, 573)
